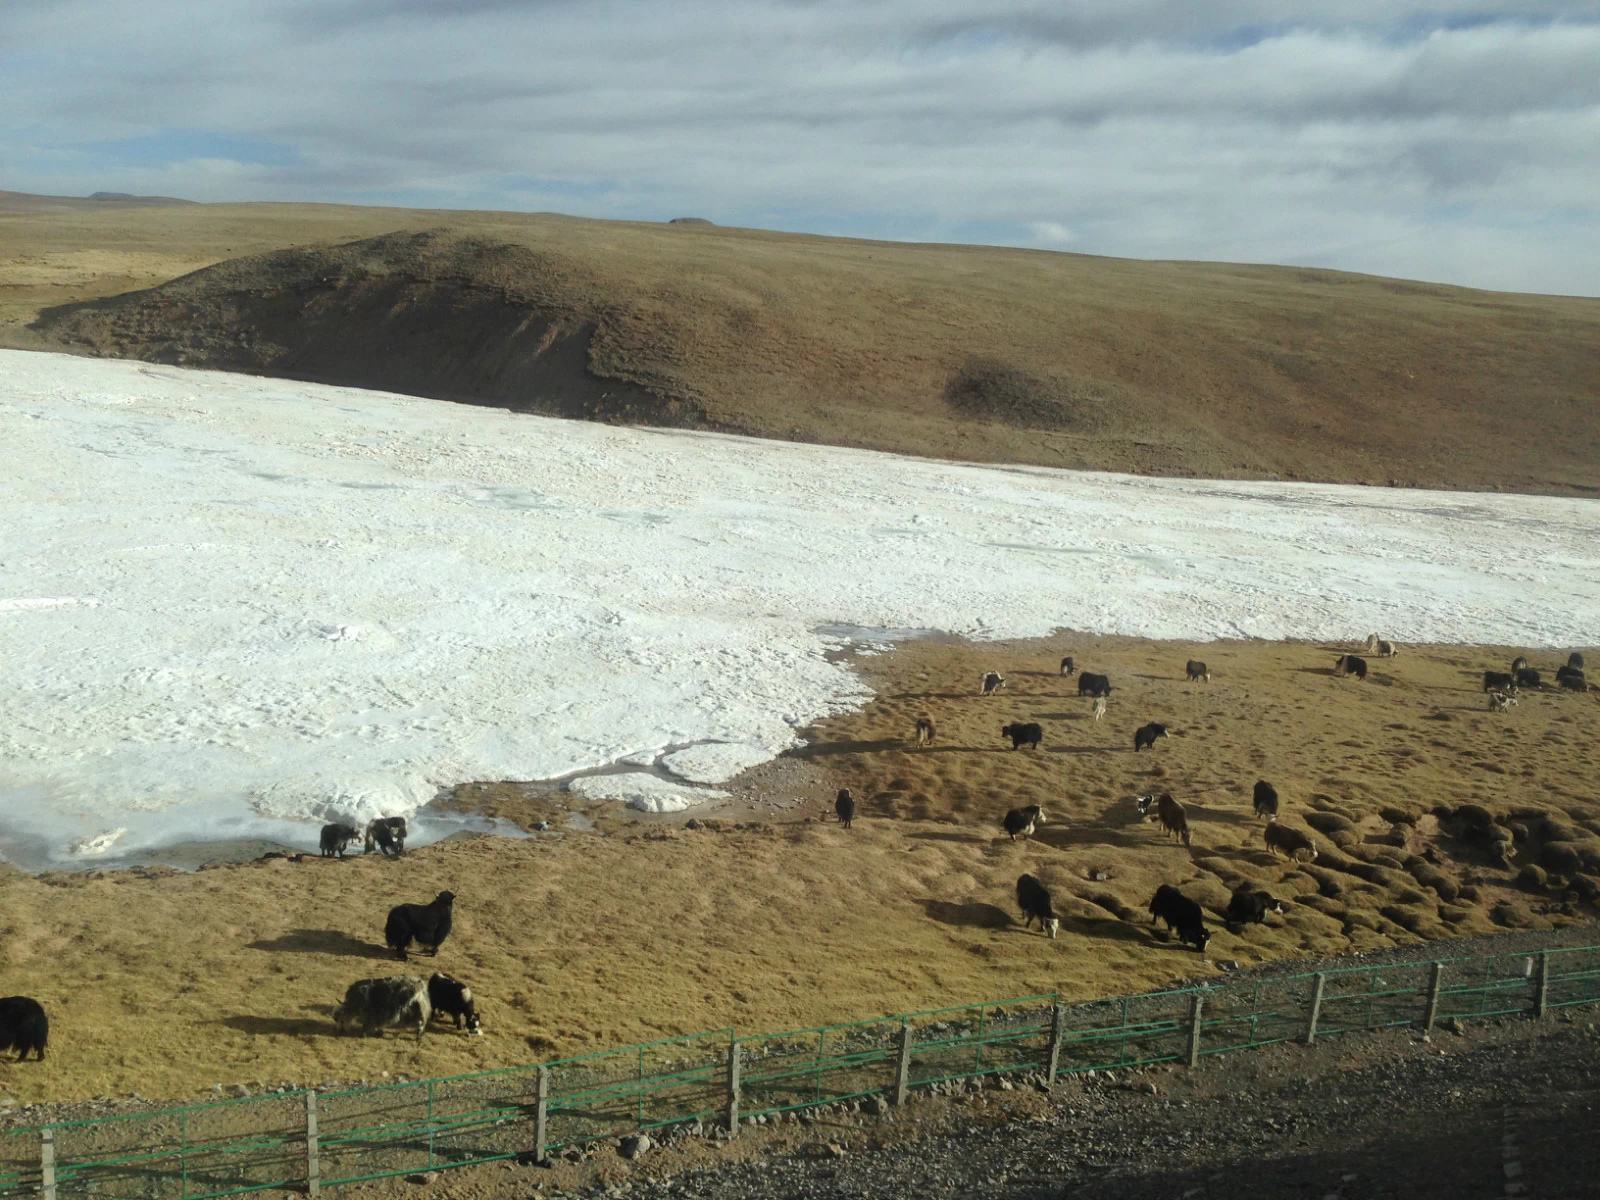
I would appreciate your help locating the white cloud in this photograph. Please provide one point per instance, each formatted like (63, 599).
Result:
(1051, 233)
(1451, 140)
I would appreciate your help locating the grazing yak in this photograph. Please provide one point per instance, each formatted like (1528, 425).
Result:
(1146, 736)
(387, 834)
(1265, 799)
(1292, 842)
(1196, 670)
(336, 839)
(1572, 679)
(23, 1027)
(1501, 701)
(1180, 913)
(1033, 898)
(451, 998)
(1529, 678)
(373, 1005)
(845, 805)
(1068, 667)
(1499, 681)
(1090, 684)
(924, 731)
(426, 924)
(1350, 664)
(1519, 664)
(1022, 821)
(1376, 645)
(993, 681)
(1098, 707)
(1249, 905)
(1023, 735)
(1168, 813)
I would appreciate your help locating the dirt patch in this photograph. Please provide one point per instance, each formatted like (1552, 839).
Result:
(989, 389)
(425, 314)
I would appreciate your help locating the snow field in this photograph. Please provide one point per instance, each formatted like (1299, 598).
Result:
(233, 606)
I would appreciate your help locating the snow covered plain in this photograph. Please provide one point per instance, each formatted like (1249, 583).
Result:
(231, 606)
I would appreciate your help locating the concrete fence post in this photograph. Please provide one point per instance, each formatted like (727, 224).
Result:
(1430, 1013)
(313, 1155)
(1058, 1026)
(1196, 1009)
(1541, 987)
(733, 1086)
(1318, 982)
(47, 1164)
(902, 1073)
(541, 1113)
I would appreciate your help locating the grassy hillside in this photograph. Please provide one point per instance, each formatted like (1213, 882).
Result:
(948, 351)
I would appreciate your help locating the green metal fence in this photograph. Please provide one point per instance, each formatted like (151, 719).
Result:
(308, 1141)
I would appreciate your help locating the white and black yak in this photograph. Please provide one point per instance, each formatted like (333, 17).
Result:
(373, 1005)
(452, 998)
(1023, 820)
(1033, 898)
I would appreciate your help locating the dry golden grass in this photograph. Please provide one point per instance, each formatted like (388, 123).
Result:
(166, 983)
(967, 352)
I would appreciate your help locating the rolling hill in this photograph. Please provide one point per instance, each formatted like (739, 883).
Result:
(966, 352)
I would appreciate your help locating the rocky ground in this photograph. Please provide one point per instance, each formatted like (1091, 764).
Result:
(1480, 1111)
(1496, 1108)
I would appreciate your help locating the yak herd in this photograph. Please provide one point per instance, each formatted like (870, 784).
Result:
(1248, 903)
(372, 1005)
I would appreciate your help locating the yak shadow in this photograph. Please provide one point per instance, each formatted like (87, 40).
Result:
(278, 1026)
(321, 941)
(974, 914)
(934, 695)
(965, 838)
(1103, 927)
(1063, 835)
(1223, 816)
(1328, 671)
(1082, 750)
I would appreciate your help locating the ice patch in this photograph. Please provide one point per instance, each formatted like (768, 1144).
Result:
(714, 762)
(647, 793)
(28, 603)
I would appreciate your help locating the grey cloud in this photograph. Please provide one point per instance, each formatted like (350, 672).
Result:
(1422, 132)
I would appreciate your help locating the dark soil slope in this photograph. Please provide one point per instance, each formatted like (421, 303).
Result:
(948, 351)
(424, 313)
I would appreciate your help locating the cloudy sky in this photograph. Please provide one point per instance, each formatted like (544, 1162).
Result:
(1453, 140)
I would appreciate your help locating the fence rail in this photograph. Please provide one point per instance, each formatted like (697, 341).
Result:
(308, 1141)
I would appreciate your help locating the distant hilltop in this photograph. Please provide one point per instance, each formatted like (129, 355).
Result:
(29, 202)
